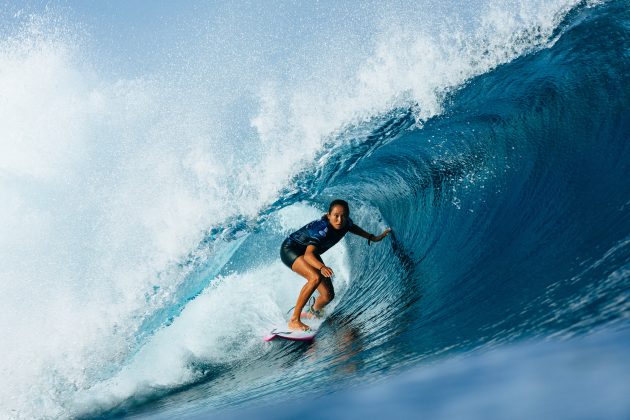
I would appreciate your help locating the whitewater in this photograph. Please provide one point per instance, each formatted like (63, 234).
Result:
(154, 156)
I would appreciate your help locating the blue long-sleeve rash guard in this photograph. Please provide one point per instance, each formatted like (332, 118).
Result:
(320, 234)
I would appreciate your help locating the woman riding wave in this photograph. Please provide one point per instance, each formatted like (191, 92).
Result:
(302, 250)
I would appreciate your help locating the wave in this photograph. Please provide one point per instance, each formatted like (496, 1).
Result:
(497, 154)
(511, 206)
(509, 212)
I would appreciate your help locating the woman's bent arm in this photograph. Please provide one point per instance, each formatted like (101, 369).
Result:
(313, 261)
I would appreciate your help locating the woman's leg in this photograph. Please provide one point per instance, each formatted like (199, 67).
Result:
(326, 294)
(325, 289)
(313, 280)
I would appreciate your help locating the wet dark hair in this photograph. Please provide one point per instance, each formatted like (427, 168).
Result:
(341, 203)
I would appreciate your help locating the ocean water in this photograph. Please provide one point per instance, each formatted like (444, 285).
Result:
(154, 156)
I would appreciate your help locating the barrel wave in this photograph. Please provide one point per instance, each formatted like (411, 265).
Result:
(512, 206)
(509, 212)
(509, 203)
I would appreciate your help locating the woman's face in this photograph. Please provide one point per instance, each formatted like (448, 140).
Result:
(337, 217)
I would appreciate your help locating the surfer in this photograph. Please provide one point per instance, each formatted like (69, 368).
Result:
(302, 250)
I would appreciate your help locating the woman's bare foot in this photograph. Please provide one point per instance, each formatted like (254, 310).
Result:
(296, 324)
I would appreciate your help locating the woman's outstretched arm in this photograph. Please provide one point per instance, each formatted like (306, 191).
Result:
(371, 238)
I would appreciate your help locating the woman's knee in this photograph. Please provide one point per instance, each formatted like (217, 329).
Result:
(315, 279)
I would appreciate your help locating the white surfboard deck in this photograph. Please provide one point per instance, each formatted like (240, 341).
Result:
(284, 332)
(293, 335)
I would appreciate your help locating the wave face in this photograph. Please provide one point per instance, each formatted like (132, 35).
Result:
(510, 209)
(500, 162)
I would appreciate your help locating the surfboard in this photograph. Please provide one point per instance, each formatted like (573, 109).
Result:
(292, 335)
(284, 332)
